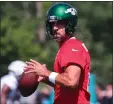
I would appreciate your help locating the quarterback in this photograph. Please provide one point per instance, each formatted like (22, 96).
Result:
(72, 63)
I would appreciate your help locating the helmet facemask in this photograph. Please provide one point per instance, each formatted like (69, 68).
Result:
(69, 29)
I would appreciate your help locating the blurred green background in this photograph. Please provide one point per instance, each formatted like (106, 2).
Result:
(23, 35)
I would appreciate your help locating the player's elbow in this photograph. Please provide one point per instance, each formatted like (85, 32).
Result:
(72, 84)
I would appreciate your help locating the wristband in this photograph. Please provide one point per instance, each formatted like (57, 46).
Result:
(52, 77)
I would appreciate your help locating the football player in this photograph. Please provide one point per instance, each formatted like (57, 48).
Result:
(72, 64)
(9, 83)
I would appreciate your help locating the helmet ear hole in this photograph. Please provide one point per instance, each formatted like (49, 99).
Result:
(71, 27)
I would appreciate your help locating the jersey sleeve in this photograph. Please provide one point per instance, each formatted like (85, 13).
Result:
(72, 55)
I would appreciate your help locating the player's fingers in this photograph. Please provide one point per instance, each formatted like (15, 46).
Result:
(39, 79)
(35, 61)
(30, 63)
(44, 65)
(31, 71)
(30, 66)
(25, 69)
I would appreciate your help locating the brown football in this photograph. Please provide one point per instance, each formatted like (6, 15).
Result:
(28, 84)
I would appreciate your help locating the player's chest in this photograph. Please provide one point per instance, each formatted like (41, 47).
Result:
(57, 67)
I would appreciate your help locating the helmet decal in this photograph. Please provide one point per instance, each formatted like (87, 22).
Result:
(52, 18)
(71, 10)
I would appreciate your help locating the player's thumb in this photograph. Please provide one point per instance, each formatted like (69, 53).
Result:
(39, 79)
(44, 65)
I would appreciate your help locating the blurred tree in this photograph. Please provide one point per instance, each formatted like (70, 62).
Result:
(26, 9)
(40, 30)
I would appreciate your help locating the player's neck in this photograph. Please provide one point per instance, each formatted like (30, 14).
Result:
(67, 37)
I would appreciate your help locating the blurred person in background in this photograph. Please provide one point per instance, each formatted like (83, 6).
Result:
(109, 90)
(46, 92)
(9, 83)
(100, 93)
(70, 78)
(105, 96)
(108, 98)
(44, 95)
(29, 100)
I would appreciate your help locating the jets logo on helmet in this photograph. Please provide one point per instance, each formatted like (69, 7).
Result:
(71, 10)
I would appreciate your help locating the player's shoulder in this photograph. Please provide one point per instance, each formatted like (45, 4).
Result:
(5, 77)
(8, 77)
(74, 42)
(70, 44)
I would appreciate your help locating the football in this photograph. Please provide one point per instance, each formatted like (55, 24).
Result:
(28, 84)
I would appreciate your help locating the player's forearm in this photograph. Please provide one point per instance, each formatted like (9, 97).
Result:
(64, 80)
(4, 93)
(3, 99)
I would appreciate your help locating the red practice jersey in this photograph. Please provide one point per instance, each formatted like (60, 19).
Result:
(73, 51)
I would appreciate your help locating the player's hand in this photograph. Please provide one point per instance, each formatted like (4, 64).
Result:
(41, 78)
(36, 67)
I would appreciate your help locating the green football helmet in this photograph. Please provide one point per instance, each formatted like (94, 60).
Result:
(61, 11)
